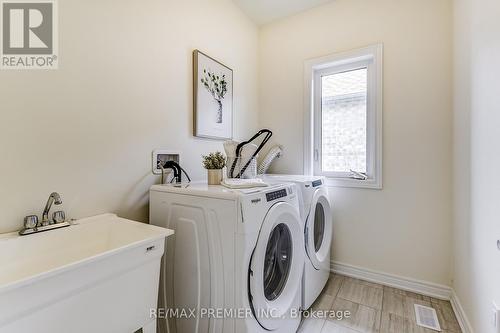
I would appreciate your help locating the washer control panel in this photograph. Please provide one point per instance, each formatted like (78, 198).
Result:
(276, 195)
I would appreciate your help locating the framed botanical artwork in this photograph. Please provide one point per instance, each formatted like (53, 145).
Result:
(213, 98)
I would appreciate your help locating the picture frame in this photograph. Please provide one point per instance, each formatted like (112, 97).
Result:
(212, 98)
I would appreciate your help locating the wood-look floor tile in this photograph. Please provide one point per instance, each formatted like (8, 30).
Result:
(393, 303)
(392, 323)
(366, 283)
(324, 302)
(446, 316)
(438, 301)
(311, 325)
(394, 290)
(411, 327)
(407, 293)
(409, 307)
(417, 296)
(375, 309)
(362, 318)
(333, 285)
(332, 327)
(366, 294)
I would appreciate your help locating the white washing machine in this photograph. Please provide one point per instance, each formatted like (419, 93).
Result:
(316, 214)
(238, 251)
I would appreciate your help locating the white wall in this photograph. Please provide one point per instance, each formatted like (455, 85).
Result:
(123, 88)
(404, 229)
(477, 158)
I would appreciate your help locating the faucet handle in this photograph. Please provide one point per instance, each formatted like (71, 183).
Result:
(30, 221)
(59, 216)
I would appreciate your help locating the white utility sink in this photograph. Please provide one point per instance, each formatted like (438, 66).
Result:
(101, 274)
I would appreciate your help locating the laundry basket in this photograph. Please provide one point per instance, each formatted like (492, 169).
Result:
(240, 167)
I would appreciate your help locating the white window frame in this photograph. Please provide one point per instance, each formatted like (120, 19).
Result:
(371, 58)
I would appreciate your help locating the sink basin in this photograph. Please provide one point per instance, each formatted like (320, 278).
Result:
(98, 275)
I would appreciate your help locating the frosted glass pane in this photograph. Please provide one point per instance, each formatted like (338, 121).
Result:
(343, 112)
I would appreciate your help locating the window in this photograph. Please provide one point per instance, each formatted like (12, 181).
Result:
(344, 118)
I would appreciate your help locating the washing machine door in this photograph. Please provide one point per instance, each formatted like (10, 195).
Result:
(276, 268)
(318, 230)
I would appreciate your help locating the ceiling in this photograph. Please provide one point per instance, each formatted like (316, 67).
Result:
(265, 11)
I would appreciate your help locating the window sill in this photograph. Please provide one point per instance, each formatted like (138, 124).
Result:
(354, 183)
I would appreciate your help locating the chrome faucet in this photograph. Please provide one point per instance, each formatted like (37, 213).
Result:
(32, 226)
(54, 198)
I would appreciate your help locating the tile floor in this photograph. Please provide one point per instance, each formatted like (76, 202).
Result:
(374, 309)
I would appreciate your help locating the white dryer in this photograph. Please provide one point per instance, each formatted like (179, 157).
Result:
(316, 214)
(236, 253)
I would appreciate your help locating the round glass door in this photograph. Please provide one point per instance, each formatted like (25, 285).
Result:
(319, 226)
(277, 261)
(275, 272)
(319, 230)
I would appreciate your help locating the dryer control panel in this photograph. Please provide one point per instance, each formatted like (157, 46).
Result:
(276, 195)
(317, 183)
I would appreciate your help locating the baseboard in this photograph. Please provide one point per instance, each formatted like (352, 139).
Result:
(460, 313)
(404, 283)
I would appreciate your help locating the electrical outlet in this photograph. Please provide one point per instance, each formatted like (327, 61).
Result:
(495, 317)
(161, 156)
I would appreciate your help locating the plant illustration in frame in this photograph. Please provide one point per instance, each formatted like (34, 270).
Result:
(217, 87)
(213, 97)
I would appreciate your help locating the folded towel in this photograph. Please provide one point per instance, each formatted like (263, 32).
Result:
(243, 183)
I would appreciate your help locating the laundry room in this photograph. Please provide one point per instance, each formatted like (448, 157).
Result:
(249, 166)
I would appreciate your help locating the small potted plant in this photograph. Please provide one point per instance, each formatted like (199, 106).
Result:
(214, 163)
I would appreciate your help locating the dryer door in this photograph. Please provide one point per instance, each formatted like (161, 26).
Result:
(318, 232)
(276, 268)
